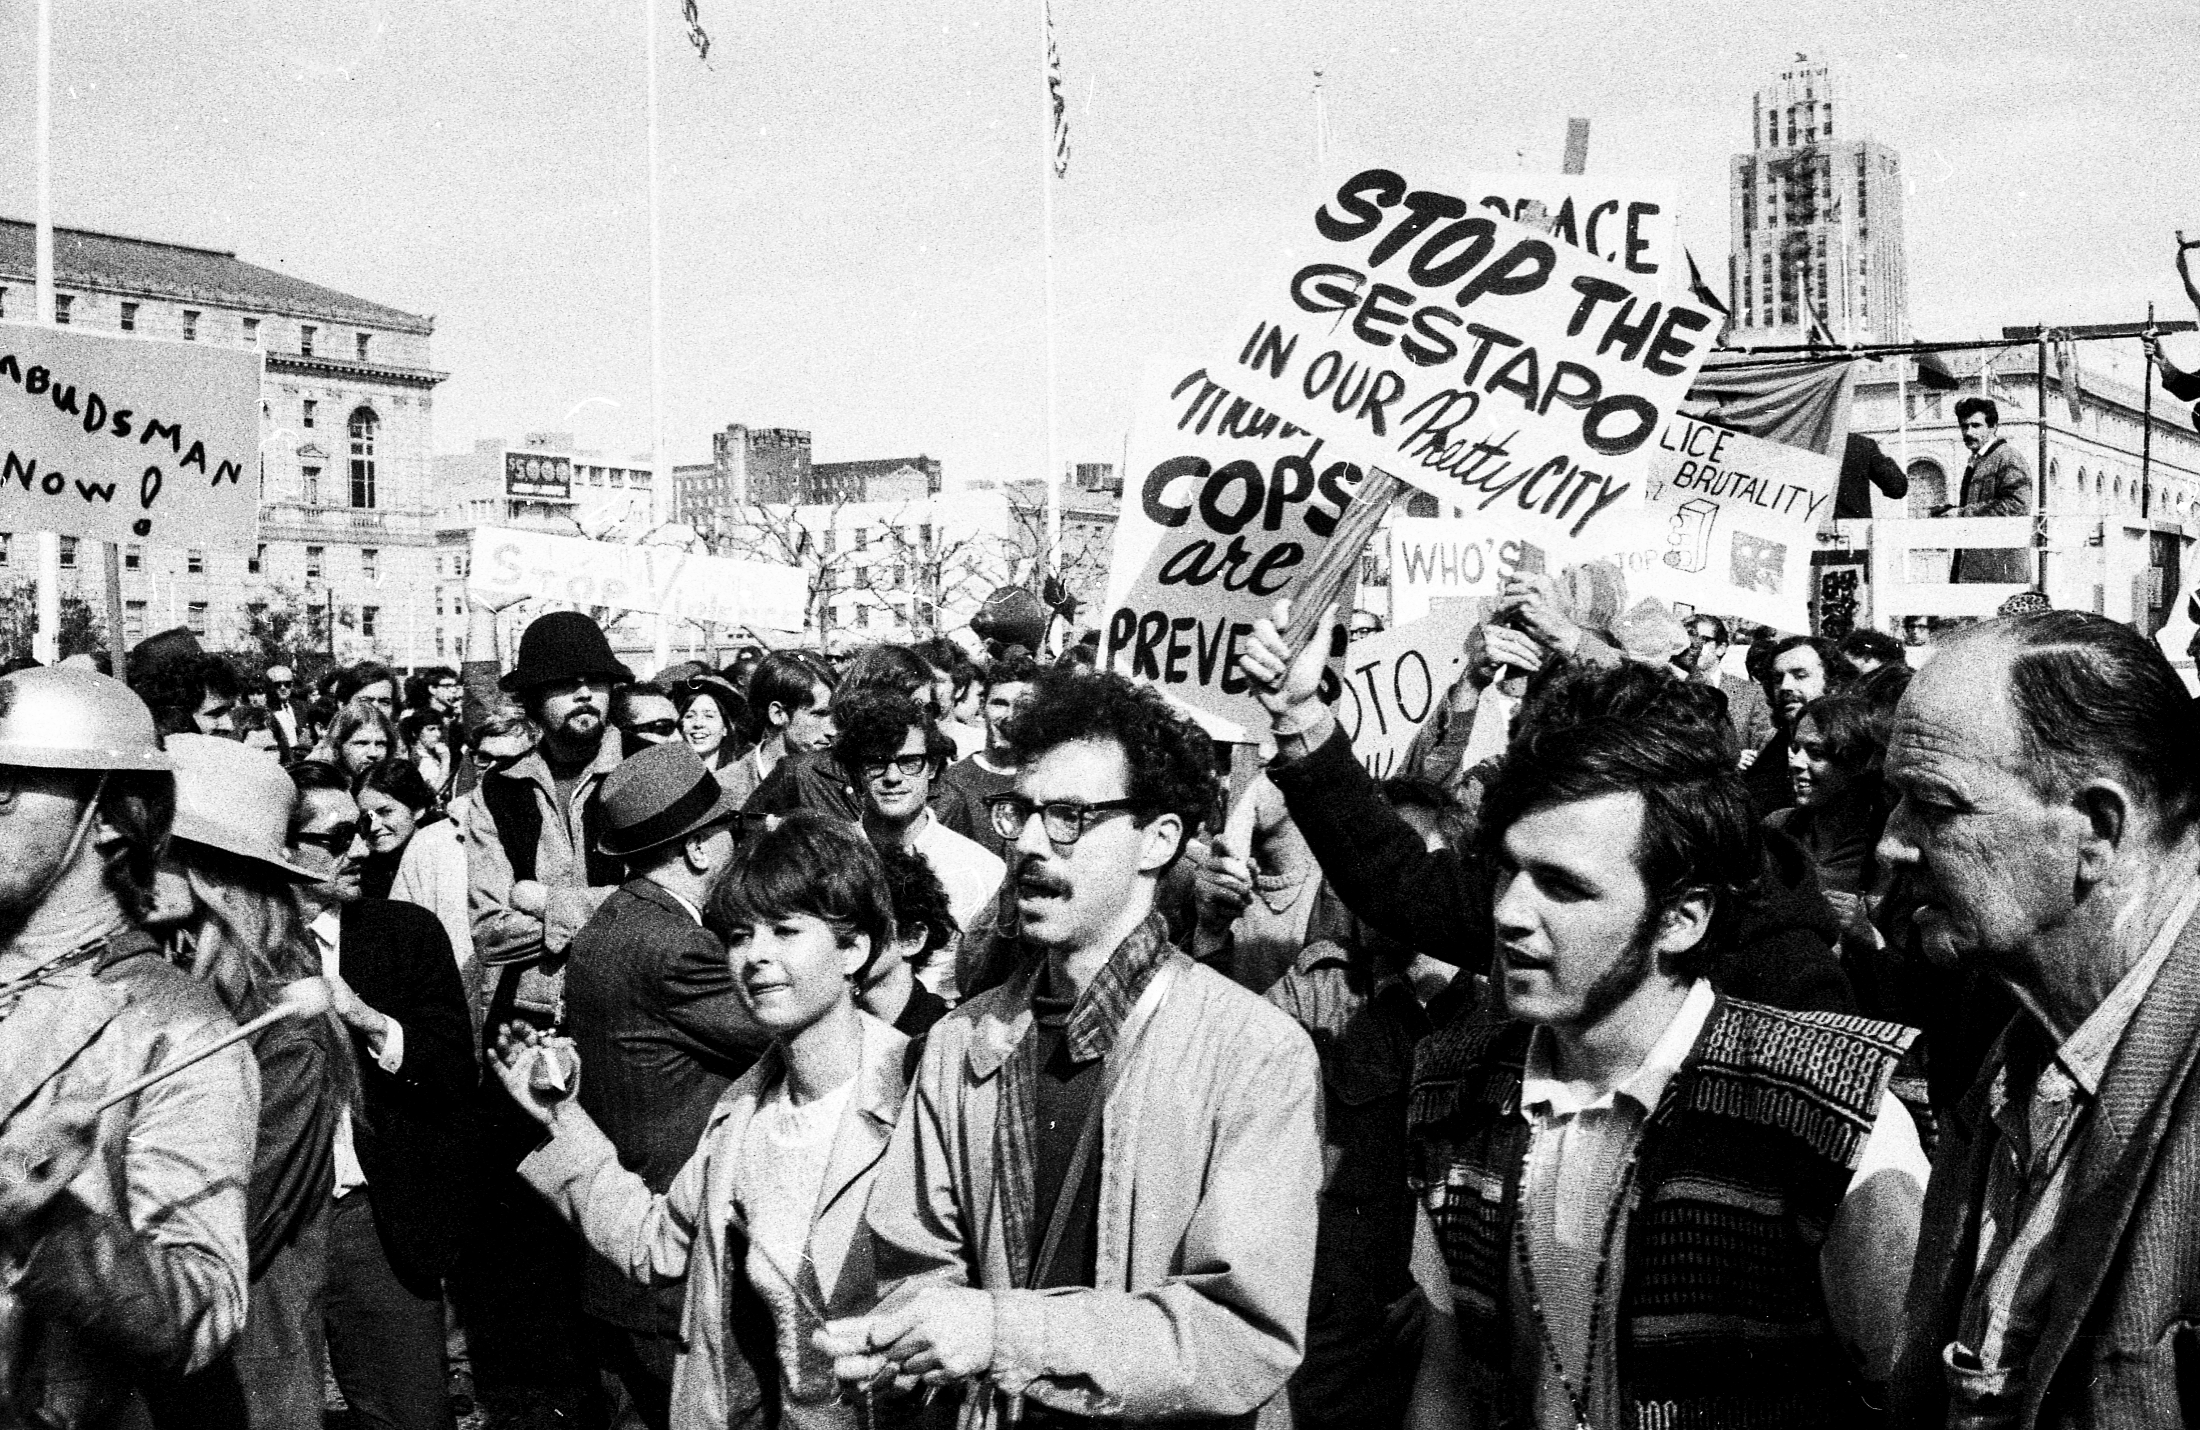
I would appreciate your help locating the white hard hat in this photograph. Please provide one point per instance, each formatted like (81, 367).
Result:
(55, 718)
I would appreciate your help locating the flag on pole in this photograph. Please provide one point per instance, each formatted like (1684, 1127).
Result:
(697, 35)
(1054, 96)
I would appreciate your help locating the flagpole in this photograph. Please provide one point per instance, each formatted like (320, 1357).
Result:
(660, 495)
(1046, 211)
(46, 643)
(1321, 128)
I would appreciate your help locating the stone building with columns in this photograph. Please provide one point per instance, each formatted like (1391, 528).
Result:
(347, 510)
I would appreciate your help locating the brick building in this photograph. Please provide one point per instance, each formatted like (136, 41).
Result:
(347, 524)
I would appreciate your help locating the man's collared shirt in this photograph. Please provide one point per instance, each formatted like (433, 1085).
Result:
(681, 899)
(1094, 1021)
(389, 1056)
(2039, 1104)
(1578, 1149)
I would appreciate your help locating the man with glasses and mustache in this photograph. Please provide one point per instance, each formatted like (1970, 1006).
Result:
(397, 1225)
(1098, 1203)
(893, 751)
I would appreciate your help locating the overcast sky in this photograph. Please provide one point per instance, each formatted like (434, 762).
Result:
(851, 191)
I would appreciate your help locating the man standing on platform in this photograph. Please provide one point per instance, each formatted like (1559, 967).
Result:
(1996, 482)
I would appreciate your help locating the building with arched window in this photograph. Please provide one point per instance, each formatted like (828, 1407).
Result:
(2122, 529)
(347, 526)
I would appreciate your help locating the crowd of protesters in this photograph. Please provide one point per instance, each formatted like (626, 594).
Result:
(1699, 1028)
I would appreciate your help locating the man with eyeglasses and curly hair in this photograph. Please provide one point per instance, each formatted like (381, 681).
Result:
(1097, 1199)
(893, 751)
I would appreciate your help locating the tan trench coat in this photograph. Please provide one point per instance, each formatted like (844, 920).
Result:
(1211, 1167)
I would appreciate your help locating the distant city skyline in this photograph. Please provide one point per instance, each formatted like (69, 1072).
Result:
(852, 203)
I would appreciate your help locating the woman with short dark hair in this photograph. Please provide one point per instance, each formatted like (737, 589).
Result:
(766, 1220)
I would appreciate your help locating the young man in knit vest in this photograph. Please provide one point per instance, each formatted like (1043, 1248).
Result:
(1654, 1205)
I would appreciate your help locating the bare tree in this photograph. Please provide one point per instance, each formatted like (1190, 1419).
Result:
(1087, 549)
(899, 559)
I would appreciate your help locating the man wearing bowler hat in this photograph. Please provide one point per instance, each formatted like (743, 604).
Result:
(650, 1003)
(535, 876)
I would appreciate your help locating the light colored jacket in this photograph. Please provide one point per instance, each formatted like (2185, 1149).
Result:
(660, 1239)
(503, 934)
(432, 873)
(140, 1264)
(1210, 1172)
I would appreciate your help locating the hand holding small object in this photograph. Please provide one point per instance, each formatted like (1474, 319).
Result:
(538, 1070)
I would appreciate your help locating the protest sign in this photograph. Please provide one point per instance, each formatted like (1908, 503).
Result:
(1740, 518)
(1476, 358)
(1629, 220)
(120, 439)
(1224, 513)
(1434, 557)
(668, 580)
(1394, 681)
(1728, 524)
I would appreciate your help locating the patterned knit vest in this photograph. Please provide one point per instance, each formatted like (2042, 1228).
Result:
(1722, 1321)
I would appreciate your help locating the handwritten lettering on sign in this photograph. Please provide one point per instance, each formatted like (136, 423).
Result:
(1229, 508)
(1435, 557)
(1628, 220)
(1732, 520)
(574, 571)
(1394, 681)
(118, 439)
(1479, 359)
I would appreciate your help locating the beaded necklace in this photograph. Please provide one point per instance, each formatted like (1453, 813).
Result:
(12, 991)
(1622, 1202)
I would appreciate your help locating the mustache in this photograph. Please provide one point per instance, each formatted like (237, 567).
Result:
(1032, 874)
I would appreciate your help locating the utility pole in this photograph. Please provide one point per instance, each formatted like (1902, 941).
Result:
(46, 644)
(2039, 476)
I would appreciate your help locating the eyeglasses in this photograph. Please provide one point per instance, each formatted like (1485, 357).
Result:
(910, 766)
(336, 841)
(1065, 820)
(660, 728)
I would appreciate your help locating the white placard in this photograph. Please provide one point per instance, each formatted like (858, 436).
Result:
(122, 439)
(1481, 360)
(667, 580)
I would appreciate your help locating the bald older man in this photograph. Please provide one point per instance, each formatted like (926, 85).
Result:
(2049, 779)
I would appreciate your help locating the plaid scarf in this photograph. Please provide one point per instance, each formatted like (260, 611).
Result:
(1094, 1022)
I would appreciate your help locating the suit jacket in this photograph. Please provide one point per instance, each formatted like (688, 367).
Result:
(1747, 710)
(411, 1128)
(650, 1002)
(1996, 482)
(2120, 1343)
